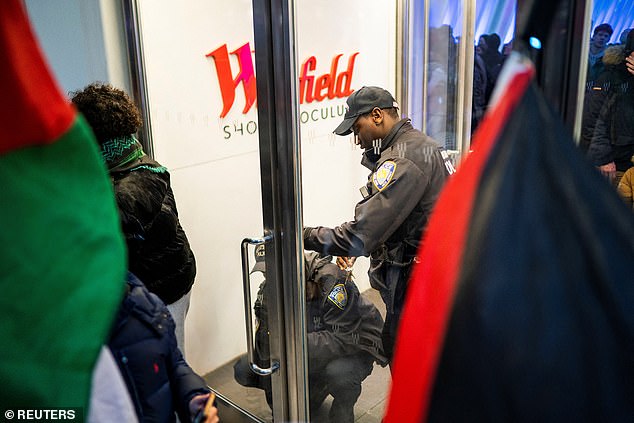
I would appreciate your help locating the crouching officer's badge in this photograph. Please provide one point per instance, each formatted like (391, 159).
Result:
(339, 296)
(383, 175)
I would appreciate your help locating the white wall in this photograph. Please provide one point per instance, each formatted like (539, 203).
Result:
(82, 40)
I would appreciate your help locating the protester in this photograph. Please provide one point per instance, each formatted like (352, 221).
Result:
(143, 343)
(158, 250)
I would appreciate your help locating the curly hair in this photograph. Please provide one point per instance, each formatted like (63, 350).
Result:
(109, 111)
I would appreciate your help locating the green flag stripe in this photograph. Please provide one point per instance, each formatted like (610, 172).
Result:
(62, 269)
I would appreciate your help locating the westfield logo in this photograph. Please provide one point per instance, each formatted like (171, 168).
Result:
(312, 88)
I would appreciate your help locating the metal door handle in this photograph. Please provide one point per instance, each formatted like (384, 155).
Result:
(246, 286)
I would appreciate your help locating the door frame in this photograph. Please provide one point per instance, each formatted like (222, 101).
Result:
(280, 166)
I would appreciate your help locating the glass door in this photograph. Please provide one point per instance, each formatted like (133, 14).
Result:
(340, 47)
(307, 65)
(225, 136)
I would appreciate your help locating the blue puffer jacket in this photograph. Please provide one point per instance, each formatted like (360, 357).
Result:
(143, 342)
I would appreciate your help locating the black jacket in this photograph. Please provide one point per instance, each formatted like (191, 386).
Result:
(479, 101)
(340, 321)
(144, 345)
(158, 250)
(493, 65)
(407, 177)
(597, 88)
(612, 103)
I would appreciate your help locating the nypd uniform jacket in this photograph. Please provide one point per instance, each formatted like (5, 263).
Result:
(407, 177)
(340, 321)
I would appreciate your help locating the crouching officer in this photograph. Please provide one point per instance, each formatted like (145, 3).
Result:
(344, 337)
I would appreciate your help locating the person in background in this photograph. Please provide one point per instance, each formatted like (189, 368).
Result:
(626, 184)
(612, 144)
(598, 43)
(623, 36)
(343, 337)
(488, 49)
(478, 104)
(158, 250)
(596, 90)
(143, 343)
(408, 172)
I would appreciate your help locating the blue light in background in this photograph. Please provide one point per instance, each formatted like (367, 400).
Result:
(492, 16)
(498, 16)
(619, 14)
(535, 43)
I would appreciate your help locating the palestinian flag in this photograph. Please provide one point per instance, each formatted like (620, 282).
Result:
(522, 307)
(62, 256)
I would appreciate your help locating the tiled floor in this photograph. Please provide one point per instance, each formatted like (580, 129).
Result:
(368, 409)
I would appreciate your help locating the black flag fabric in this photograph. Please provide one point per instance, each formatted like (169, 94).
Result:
(521, 308)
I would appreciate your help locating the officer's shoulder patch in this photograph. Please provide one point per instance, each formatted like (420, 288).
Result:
(383, 174)
(338, 296)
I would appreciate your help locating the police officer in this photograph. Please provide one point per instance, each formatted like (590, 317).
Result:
(408, 172)
(343, 340)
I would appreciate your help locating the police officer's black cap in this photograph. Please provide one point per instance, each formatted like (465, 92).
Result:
(361, 102)
(260, 259)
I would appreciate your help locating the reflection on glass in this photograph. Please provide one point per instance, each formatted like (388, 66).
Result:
(441, 86)
(258, 388)
(494, 26)
(494, 31)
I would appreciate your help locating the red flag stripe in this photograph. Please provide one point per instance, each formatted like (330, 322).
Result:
(32, 109)
(433, 284)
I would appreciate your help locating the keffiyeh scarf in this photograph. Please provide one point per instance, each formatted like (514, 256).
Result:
(126, 154)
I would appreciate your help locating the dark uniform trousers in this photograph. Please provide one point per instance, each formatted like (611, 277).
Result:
(341, 378)
(392, 318)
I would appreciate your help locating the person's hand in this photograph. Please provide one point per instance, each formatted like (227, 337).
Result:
(345, 263)
(629, 63)
(609, 171)
(197, 403)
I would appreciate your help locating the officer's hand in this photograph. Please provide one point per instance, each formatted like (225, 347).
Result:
(346, 263)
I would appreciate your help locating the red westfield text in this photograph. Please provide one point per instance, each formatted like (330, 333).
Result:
(333, 84)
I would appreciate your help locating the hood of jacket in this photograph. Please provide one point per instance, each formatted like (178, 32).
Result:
(614, 55)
